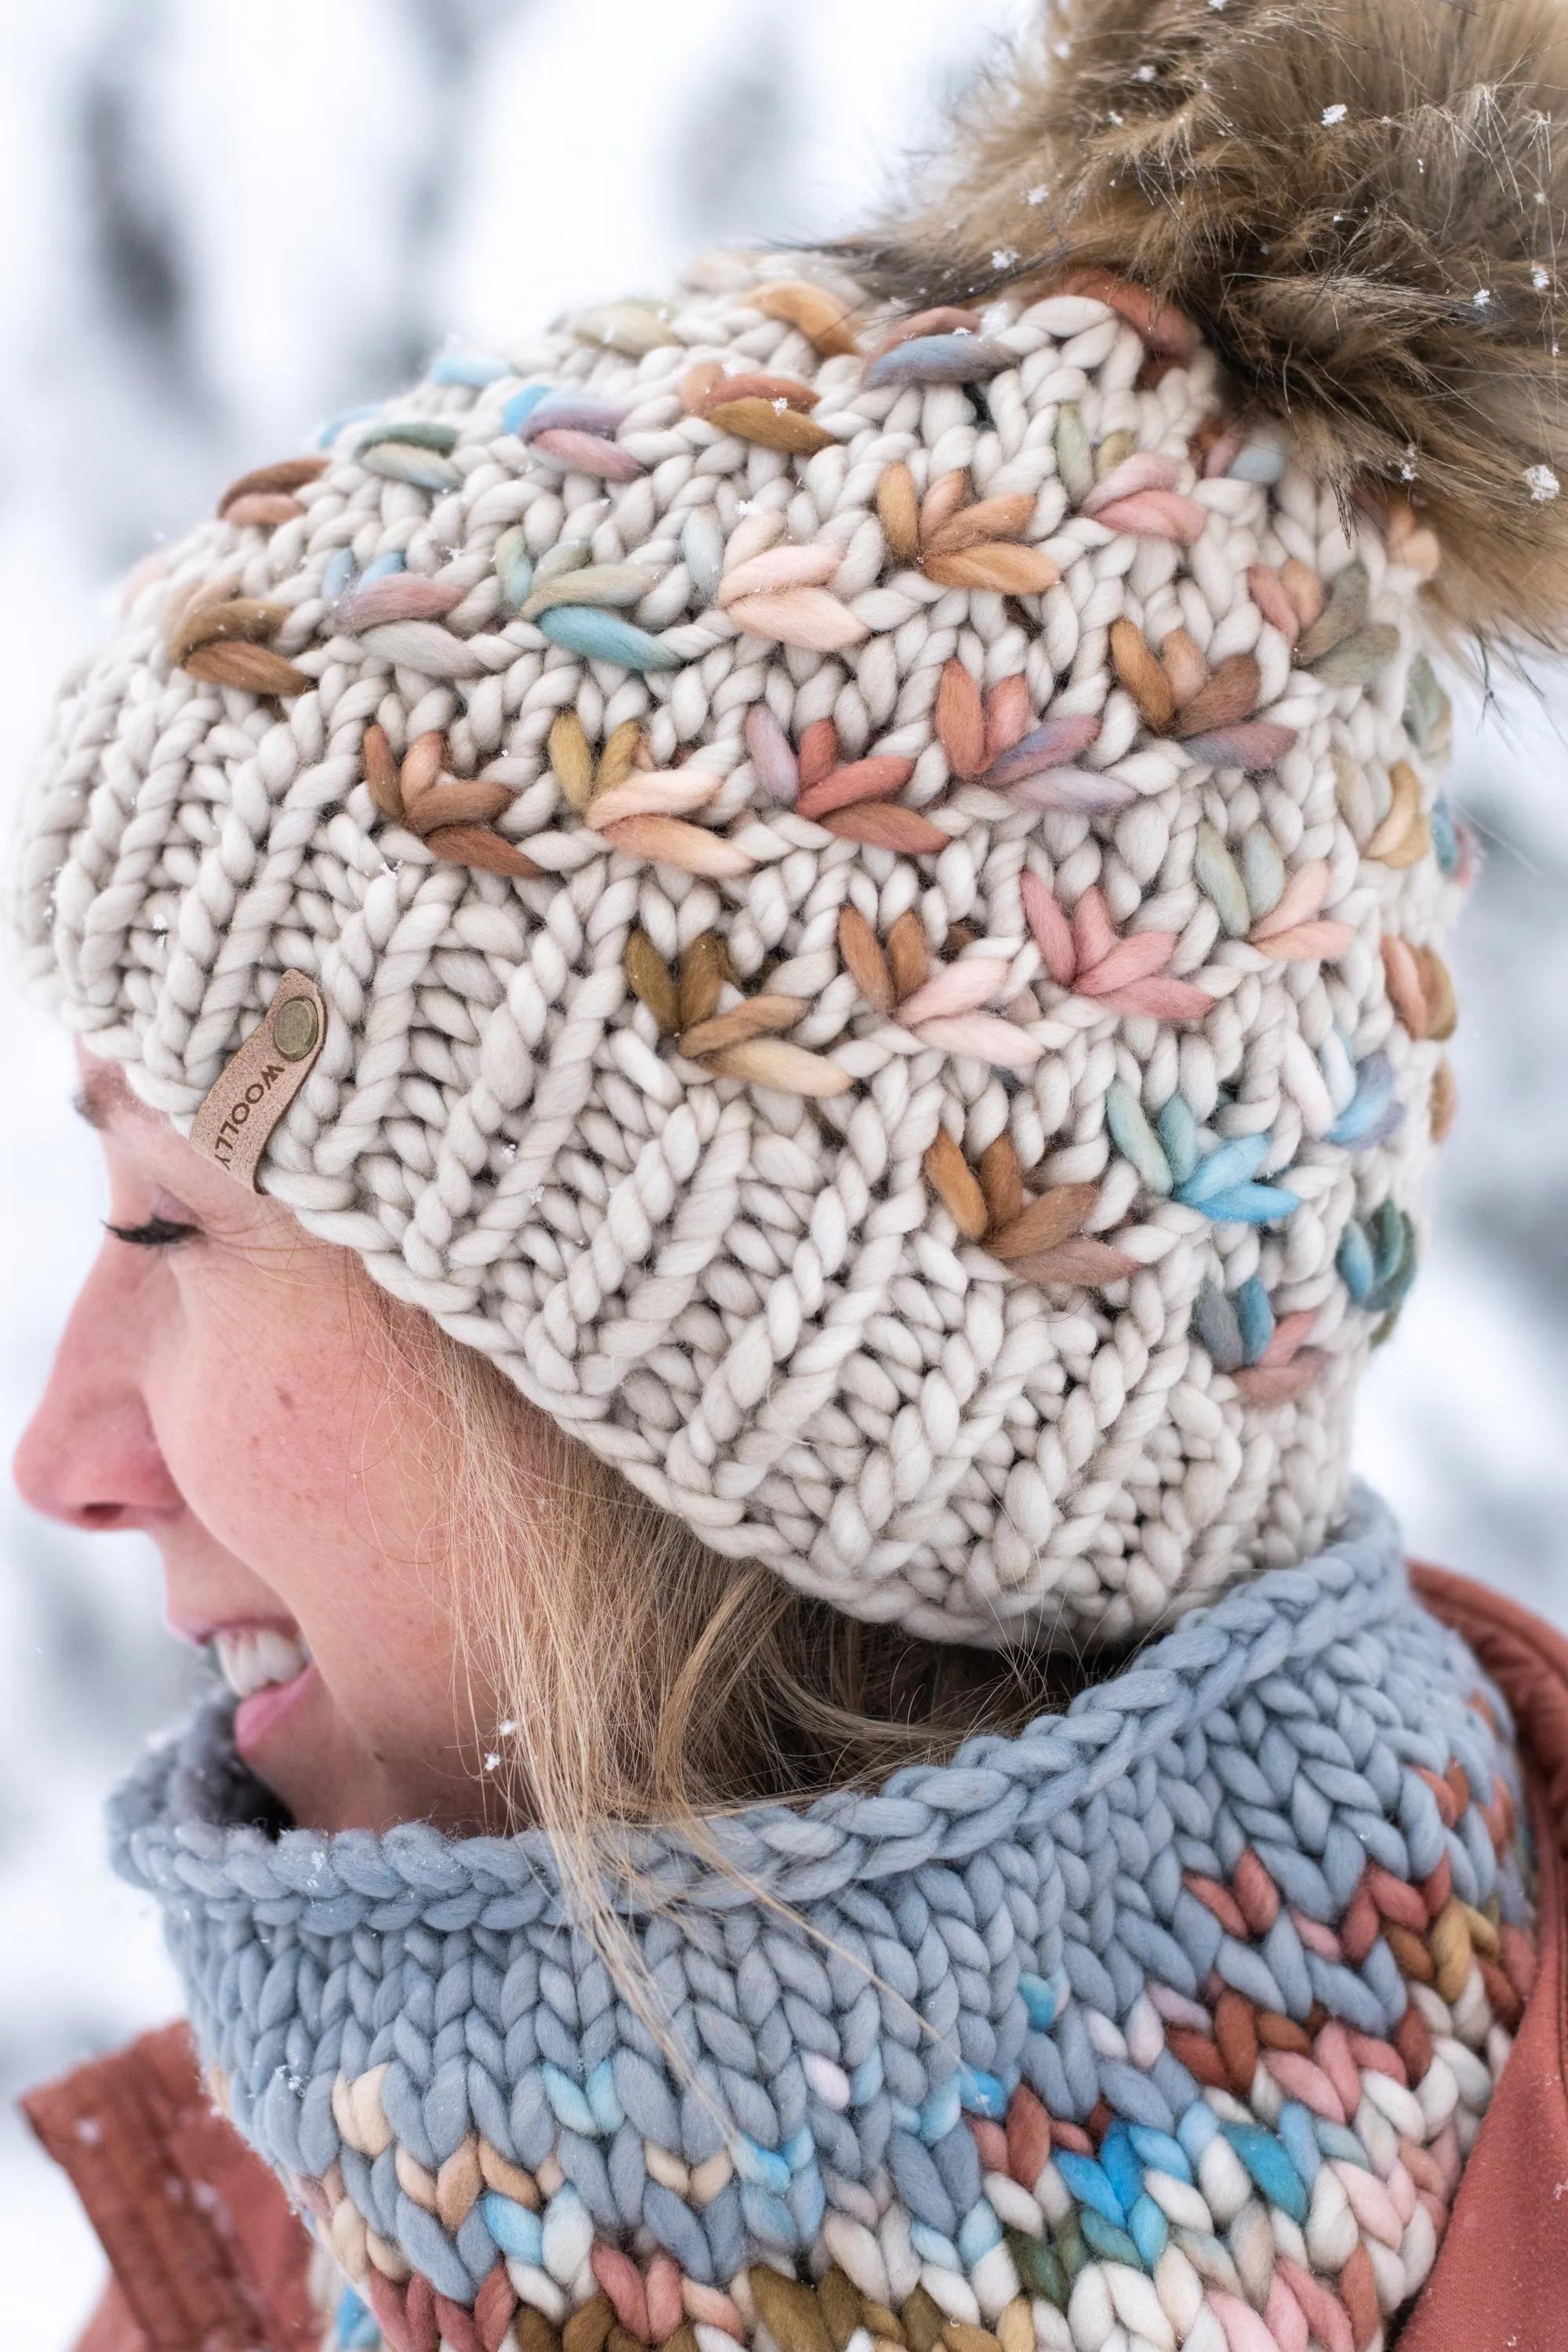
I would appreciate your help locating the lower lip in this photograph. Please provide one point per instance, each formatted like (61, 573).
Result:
(257, 1718)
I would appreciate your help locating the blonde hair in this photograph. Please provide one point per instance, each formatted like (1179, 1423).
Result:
(622, 1677)
(646, 1681)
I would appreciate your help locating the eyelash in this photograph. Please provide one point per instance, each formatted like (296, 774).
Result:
(158, 1232)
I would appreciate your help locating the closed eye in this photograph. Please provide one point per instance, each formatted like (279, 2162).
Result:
(157, 1233)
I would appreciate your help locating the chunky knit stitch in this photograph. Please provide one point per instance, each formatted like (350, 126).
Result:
(1176, 2013)
(875, 882)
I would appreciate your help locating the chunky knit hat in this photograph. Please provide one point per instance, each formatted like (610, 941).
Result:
(873, 870)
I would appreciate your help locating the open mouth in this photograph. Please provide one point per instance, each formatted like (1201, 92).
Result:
(254, 1658)
(267, 1671)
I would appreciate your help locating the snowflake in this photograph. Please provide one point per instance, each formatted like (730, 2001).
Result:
(1332, 114)
(1540, 279)
(1005, 257)
(1482, 298)
(1037, 196)
(1216, 4)
(1407, 470)
(492, 1763)
(1543, 483)
(1144, 73)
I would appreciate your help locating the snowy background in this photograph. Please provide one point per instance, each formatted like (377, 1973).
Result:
(223, 224)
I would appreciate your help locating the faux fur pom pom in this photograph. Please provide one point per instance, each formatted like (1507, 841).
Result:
(1359, 202)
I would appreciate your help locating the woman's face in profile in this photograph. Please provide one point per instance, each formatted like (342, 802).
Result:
(226, 1385)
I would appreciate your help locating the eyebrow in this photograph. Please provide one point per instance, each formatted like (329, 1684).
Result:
(98, 1097)
(87, 1102)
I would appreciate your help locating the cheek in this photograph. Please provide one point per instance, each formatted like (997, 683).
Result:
(275, 1430)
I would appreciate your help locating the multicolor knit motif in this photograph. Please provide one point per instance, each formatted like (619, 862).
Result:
(1170, 2022)
(877, 883)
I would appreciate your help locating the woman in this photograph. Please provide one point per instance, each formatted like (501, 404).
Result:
(759, 985)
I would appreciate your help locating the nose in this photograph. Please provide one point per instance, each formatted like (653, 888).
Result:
(89, 1457)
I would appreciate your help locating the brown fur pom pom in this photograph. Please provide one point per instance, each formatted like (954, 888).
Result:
(1359, 204)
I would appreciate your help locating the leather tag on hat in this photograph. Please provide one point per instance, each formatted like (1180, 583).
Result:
(237, 1121)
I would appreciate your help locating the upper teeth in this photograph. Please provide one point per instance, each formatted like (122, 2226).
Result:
(253, 1657)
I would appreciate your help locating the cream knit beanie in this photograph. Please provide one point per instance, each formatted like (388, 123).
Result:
(874, 880)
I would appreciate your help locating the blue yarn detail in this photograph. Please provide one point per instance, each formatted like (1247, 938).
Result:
(808, 2203)
(1178, 1133)
(977, 2233)
(942, 2111)
(1198, 2130)
(339, 573)
(1270, 2167)
(518, 2233)
(1255, 1317)
(1090, 2184)
(1110, 2242)
(1370, 1105)
(1233, 1163)
(1161, 2152)
(355, 2323)
(1295, 2130)
(1353, 1260)
(1119, 2162)
(570, 2103)
(768, 2218)
(1336, 2141)
(598, 635)
(1257, 461)
(960, 358)
(1148, 2229)
(606, 2109)
(866, 2082)
(760, 2166)
(521, 405)
(933, 2247)
(1042, 2000)
(1250, 1204)
(983, 2093)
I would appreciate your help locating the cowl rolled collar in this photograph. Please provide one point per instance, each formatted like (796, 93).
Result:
(1178, 2008)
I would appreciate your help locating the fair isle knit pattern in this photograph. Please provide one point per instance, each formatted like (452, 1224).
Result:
(1169, 2023)
(875, 884)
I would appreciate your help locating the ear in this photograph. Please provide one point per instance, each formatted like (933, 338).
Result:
(1359, 204)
